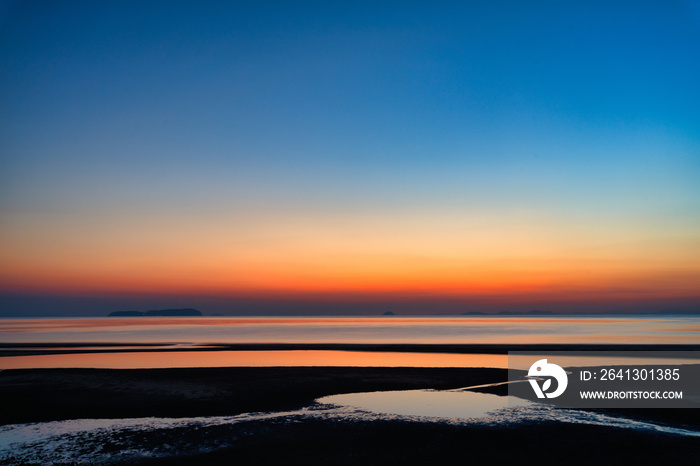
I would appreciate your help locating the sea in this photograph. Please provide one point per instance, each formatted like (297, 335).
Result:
(159, 342)
(681, 329)
(180, 336)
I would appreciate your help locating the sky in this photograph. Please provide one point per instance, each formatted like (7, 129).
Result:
(349, 157)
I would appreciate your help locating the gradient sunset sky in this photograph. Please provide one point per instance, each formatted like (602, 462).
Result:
(349, 157)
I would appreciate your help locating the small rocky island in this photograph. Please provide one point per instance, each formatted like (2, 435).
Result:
(187, 312)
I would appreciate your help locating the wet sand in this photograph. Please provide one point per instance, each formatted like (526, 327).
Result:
(393, 442)
(33, 395)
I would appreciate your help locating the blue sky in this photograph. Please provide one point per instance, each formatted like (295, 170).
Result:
(123, 90)
(580, 113)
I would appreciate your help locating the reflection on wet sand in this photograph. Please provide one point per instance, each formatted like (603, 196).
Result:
(143, 360)
(430, 403)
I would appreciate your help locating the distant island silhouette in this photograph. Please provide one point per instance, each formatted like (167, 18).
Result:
(190, 312)
(186, 312)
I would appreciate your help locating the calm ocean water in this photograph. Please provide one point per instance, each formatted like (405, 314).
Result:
(416, 330)
(176, 338)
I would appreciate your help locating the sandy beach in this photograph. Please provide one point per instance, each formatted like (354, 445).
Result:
(55, 394)
(38, 395)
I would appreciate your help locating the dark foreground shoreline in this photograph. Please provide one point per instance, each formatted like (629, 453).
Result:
(399, 442)
(34, 395)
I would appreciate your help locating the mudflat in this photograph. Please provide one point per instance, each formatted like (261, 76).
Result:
(32, 395)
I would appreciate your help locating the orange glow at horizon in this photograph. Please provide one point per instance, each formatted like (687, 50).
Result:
(345, 256)
(388, 279)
